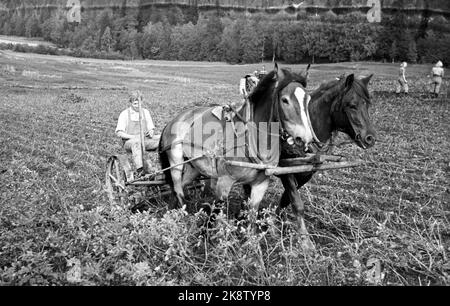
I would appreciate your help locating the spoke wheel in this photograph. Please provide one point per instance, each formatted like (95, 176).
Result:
(115, 182)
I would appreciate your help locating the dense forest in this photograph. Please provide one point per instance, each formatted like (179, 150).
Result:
(177, 33)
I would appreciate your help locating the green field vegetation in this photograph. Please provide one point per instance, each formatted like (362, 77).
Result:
(383, 223)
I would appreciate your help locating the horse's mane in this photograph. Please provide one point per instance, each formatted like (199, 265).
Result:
(361, 90)
(327, 91)
(269, 80)
(263, 86)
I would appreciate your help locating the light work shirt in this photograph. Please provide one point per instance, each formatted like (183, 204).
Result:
(129, 117)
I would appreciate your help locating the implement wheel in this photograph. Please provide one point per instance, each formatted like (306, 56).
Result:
(115, 182)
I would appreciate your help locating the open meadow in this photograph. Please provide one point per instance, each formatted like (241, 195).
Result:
(385, 222)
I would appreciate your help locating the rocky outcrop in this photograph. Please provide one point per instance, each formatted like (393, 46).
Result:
(441, 7)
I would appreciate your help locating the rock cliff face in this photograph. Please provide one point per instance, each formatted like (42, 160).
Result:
(438, 7)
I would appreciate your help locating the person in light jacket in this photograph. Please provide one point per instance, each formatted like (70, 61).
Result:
(402, 84)
(128, 129)
(437, 73)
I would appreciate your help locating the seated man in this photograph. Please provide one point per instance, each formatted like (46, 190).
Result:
(128, 129)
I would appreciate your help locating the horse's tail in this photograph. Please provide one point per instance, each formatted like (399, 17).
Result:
(164, 159)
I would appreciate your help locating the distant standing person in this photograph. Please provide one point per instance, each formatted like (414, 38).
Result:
(128, 129)
(437, 73)
(246, 84)
(402, 83)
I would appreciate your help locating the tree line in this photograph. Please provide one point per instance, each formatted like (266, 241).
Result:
(215, 37)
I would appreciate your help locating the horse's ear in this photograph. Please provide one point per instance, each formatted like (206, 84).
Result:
(279, 74)
(305, 73)
(366, 80)
(349, 80)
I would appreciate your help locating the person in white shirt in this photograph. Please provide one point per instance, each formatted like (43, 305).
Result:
(402, 83)
(246, 85)
(437, 73)
(128, 129)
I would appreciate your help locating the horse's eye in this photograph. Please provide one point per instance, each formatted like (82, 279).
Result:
(285, 100)
(353, 106)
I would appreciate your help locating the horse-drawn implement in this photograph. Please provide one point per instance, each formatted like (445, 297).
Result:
(121, 186)
(277, 112)
(120, 183)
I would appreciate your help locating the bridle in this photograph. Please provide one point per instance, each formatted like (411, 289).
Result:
(285, 136)
(337, 107)
(341, 108)
(318, 146)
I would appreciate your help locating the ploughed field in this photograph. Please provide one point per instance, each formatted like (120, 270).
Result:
(383, 223)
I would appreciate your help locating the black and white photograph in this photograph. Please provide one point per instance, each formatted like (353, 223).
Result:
(225, 149)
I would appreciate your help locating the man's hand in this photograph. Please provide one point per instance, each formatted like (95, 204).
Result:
(149, 134)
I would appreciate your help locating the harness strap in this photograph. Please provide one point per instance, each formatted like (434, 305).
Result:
(316, 140)
(236, 112)
(150, 175)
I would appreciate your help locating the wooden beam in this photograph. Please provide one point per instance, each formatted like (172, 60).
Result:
(141, 132)
(147, 183)
(311, 159)
(309, 168)
(297, 161)
(247, 165)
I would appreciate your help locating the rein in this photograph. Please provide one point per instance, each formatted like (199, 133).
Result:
(236, 112)
(309, 121)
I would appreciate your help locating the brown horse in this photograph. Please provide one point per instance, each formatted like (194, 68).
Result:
(200, 142)
(339, 105)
